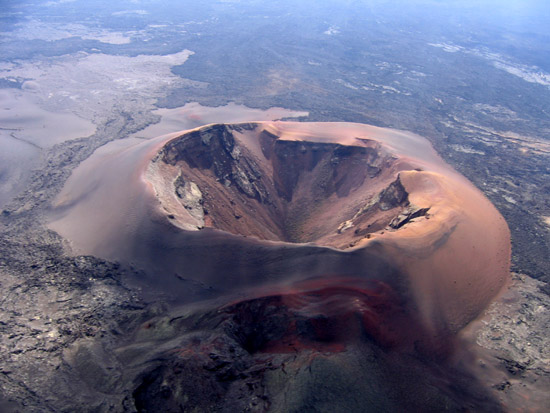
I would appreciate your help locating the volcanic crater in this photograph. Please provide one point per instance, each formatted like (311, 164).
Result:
(279, 247)
(325, 218)
(276, 189)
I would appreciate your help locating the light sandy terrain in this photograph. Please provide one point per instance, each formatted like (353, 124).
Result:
(15, 159)
(27, 121)
(25, 130)
(92, 85)
(67, 97)
(194, 114)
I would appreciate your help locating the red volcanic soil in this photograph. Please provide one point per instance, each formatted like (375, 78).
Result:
(326, 215)
(324, 315)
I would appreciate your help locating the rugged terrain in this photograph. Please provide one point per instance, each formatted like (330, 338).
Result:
(259, 316)
(116, 341)
(79, 332)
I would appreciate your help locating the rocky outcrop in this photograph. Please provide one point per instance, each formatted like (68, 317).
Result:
(215, 150)
(407, 216)
(392, 196)
(191, 198)
(368, 219)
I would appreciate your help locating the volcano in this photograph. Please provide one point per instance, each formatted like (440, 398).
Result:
(280, 238)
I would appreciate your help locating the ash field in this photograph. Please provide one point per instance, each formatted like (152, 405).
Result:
(269, 206)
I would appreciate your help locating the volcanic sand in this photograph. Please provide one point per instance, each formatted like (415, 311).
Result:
(193, 115)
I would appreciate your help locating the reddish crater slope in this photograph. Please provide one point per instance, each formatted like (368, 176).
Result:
(350, 228)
